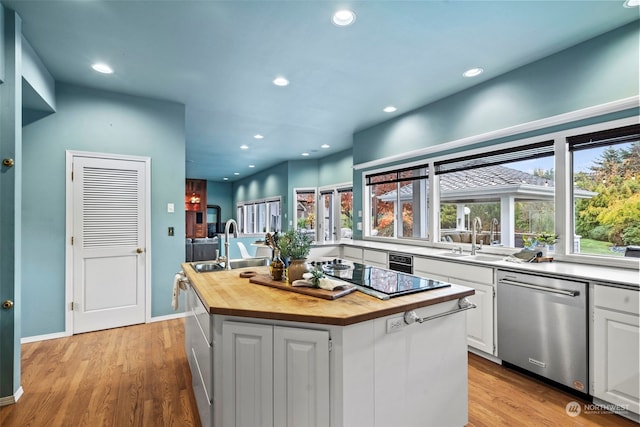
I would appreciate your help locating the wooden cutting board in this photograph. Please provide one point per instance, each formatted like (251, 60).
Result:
(265, 279)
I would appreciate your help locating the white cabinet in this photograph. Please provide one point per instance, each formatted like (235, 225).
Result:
(198, 347)
(274, 375)
(481, 329)
(324, 252)
(352, 253)
(616, 346)
(374, 258)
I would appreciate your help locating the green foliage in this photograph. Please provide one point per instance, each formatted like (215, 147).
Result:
(613, 214)
(294, 244)
(631, 236)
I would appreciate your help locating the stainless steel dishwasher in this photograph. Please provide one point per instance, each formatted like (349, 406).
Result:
(542, 327)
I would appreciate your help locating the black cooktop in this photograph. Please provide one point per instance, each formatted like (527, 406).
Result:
(380, 282)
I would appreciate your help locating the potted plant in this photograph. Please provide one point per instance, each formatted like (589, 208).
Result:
(295, 246)
(542, 240)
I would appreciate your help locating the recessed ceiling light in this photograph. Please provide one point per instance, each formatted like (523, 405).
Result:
(258, 136)
(305, 154)
(343, 18)
(280, 81)
(244, 147)
(236, 173)
(102, 68)
(632, 3)
(472, 72)
(252, 166)
(225, 179)
(325, 146)
(389, 109)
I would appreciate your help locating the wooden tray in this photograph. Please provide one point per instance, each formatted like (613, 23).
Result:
(265, 279)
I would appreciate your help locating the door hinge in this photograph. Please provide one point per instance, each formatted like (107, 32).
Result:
(71, 175)
(71, 306)
(71, 240)
(330, 345)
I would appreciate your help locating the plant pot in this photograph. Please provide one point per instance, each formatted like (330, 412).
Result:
(297, 267)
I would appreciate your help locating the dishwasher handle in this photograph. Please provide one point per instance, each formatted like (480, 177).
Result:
(541, 288)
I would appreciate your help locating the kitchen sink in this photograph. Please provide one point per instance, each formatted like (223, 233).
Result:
(453, 254)
(476, 257)
(209, 266)
(485, 257)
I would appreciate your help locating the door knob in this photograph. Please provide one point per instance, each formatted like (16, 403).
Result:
(7, 304)
(139, 250)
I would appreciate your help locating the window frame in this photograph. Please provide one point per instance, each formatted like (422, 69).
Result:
(242, 209)
(563, 202)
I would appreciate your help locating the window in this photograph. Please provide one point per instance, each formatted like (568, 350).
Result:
(398, 204)
(336, 212)
(606, 190)
(346, 212)
(511, 190)
(259, 216)
(306, 210)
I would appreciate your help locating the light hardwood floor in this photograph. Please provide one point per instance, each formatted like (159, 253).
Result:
(139, 376)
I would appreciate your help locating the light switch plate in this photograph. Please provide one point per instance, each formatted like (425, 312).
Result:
(170, 208)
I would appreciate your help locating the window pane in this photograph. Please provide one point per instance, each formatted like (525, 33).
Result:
(383, 202)
(306, 211)
(511, 199)
(273, 209)
(606, 199)
(346, 214)
(262, 218)
(251, 219)
(326, 210)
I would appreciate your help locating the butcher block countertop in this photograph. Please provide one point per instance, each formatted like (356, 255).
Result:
(226, 293)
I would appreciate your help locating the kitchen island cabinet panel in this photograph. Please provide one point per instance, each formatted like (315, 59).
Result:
(300, 377)
(247, 374)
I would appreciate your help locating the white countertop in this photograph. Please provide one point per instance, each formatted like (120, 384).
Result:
(626, 277)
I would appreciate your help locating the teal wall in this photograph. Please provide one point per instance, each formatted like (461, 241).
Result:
(280, 180)
(221, 194)
(336, 168)
(596, 72)
(104, 122)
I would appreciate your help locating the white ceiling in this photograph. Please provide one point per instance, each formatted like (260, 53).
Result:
(220, 57)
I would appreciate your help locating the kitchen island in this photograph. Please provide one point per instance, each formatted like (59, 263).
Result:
(271, 357)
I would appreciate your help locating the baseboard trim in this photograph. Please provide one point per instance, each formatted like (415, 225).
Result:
(484, 355)
(35, 338)
(10, 400)
(167, 317)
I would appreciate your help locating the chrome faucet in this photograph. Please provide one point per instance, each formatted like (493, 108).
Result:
(476, 223)
(227, 264)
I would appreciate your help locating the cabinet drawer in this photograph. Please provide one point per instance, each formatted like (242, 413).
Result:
(203, 319)
(625, 300)
(375, 257)
(454, 270)
(351, 253)
(200, 392)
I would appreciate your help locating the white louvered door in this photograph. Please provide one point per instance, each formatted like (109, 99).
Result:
(109, 247)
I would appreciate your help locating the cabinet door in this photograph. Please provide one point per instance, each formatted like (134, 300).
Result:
(247, 360)
(616, 354)
(300, 377)
(480, 320)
